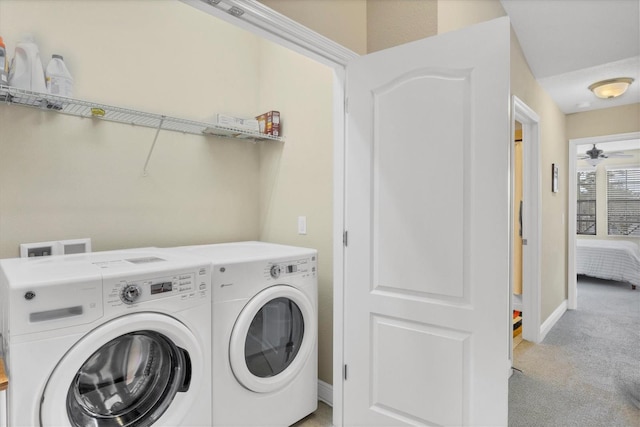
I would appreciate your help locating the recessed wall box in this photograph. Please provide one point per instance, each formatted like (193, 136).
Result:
(37, 249)
(59, 247)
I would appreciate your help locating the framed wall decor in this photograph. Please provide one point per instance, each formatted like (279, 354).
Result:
(554, 178)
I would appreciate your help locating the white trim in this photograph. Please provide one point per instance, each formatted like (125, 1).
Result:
(339, 165)
(552, 319)
(265, 22)
(531, 221)
(325, 392)
(572, 282)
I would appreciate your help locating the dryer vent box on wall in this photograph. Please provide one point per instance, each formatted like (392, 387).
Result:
(59, 247)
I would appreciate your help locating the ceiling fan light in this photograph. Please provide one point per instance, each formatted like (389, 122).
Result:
(611, 88)
(594, 162)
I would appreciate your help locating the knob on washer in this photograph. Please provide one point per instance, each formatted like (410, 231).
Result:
(275, 271)
(130, 294)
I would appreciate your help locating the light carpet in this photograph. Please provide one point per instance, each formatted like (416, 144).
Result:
(586, 372)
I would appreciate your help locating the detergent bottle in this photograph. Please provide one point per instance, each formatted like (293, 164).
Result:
(26, 70)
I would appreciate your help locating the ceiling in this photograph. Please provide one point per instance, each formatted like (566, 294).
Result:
(570, 44)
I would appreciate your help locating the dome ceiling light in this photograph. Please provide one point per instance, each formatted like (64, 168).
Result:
(611, 88)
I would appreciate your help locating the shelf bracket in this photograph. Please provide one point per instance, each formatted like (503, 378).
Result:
(153, 145)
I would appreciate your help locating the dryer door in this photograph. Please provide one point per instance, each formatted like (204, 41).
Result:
(132, 371)
(272, 339)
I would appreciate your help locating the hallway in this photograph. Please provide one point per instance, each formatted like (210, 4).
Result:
(587, 370)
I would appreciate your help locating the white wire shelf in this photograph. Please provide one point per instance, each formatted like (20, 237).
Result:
(80, 108)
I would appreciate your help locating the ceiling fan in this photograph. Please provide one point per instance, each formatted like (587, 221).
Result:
(596, 155)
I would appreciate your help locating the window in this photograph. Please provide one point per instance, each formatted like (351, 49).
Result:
(623, 202)
(586, 195)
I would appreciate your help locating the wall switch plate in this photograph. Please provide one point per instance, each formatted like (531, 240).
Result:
(58, 247)
(302, 225)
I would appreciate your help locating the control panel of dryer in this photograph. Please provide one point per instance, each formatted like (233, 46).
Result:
(300, 266)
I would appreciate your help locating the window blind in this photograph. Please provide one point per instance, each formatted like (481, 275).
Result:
(623, 202)
(586, 198)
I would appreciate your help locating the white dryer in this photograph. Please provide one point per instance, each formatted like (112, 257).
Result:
(117, 338)
(265, 324)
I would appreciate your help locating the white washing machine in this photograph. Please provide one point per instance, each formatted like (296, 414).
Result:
(117, 338)
(265, 337)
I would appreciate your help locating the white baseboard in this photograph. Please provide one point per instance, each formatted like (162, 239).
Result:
(552, 320)
(325, 392)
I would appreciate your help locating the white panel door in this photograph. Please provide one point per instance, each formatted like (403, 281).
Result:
(427, 213)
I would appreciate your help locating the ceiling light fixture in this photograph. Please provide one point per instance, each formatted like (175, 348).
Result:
(611, 88)
(594, 162)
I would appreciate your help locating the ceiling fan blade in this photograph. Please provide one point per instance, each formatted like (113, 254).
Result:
(618, 155)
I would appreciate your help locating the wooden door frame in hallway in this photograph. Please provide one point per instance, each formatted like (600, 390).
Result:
(531, 220)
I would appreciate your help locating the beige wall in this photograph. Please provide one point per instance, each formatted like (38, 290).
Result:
(609, 121)
(394, 22)
(601, 190)
(456, 14)
(296, 176)
(63, 177)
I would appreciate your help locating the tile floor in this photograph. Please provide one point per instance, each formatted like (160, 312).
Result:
(320, 418)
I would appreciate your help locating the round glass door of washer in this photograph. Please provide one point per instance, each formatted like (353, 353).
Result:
(129, 381)
(135, 370)
(272, 338)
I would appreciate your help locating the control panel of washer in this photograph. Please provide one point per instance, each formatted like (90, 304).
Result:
(148, 289)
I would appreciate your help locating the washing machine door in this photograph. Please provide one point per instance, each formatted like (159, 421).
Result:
(272, 338)
(132, 371)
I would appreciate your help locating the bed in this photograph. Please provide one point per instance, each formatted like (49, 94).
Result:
(609, 259)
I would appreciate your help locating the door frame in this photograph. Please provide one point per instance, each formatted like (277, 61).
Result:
(572, 282)
(531, 220)
(264, 22)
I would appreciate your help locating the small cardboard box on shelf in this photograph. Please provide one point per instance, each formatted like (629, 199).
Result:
(269, 123)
